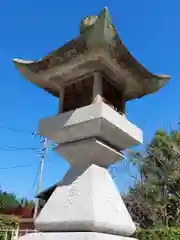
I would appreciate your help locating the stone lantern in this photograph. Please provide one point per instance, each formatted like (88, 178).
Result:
(93, 76)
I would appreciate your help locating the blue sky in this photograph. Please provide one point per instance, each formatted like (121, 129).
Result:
(31, 29)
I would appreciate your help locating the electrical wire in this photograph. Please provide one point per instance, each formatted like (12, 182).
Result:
(14, 148)
(17, 149)
(16, 130)
(16, 166)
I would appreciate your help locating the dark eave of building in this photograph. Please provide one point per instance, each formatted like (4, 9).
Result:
(45, 195)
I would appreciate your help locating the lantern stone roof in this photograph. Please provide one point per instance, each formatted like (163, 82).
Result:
(97, 48)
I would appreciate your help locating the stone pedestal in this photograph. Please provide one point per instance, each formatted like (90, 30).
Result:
(86, 203)
(73, 236)
(86, 200)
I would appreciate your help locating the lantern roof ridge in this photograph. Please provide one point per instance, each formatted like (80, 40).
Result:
(98, 39)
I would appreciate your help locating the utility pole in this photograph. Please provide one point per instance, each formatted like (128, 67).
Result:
(39, 185)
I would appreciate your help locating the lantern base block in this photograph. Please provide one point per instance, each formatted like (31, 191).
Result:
(86, 200)
(72, 236)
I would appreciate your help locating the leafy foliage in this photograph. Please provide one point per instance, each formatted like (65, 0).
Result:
(10, 204)
(154, 201)
(159, 234)
(7, 223)
(5, 235)
(8, 200)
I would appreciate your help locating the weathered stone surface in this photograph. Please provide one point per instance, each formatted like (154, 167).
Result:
(89, 151)
(96, 120)
(98, 48)
(73, 236)
(86, 200)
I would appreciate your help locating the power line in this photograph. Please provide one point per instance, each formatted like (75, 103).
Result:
(35, 134)
(16, 166)
(4, 147)
(16, 149)
(43, 153)
(16, 130)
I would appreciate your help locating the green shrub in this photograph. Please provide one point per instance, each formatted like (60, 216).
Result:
(158, 234)
(7, 223)
(5, 235)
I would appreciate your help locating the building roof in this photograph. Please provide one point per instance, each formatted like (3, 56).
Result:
(45, 195)
(97, 48)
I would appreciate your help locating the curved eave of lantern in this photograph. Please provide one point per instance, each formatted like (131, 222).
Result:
(96, 32)
(25, 67)
(146, 82)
